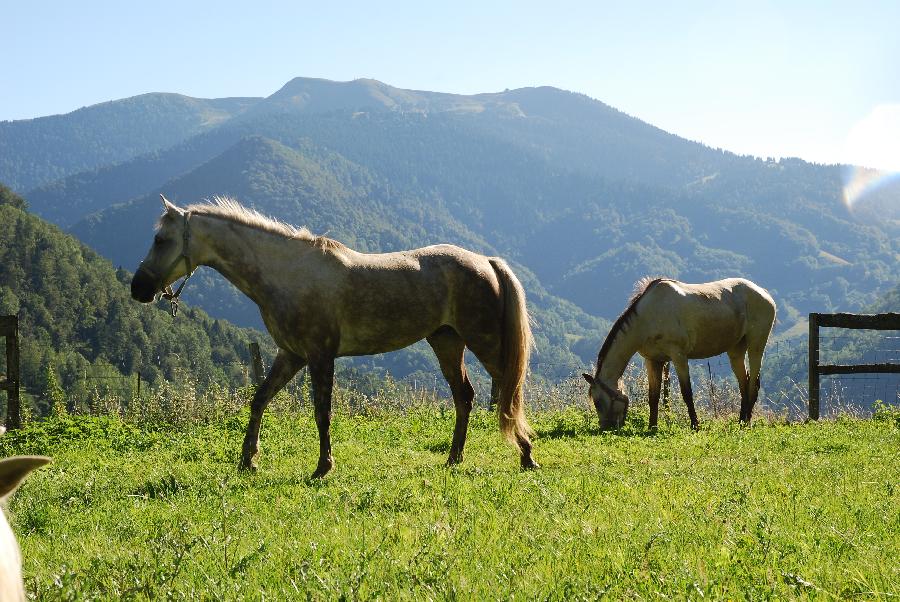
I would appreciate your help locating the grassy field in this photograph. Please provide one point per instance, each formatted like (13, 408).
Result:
(773, 511)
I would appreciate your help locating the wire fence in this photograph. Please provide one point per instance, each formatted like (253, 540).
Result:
(715, 390)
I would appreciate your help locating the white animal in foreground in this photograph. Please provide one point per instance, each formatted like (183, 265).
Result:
(12, 472)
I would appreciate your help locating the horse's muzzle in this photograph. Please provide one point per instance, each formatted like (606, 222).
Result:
(611, 421)
(143, 286)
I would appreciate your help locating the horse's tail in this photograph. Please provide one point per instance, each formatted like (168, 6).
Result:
(516, 346)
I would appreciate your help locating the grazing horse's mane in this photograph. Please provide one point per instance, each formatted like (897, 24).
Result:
(640, 288)
(229, 209)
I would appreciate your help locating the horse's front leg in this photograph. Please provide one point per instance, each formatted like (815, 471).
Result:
(684, 381)
(654, 384)
(284, 368)
(321, 372)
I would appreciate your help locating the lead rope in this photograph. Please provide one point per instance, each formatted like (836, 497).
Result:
(168, 295)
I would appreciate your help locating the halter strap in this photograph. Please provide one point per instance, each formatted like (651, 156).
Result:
(609, 390)
(167, 293)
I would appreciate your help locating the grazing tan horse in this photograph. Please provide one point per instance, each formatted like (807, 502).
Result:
(670, 320)
(321, 300)
(12, 472)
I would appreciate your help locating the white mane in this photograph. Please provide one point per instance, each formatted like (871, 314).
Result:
(229, 209)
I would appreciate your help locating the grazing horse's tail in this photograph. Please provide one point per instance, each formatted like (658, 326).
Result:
(515, 348)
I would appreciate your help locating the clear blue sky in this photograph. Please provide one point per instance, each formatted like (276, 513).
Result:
(766, 78)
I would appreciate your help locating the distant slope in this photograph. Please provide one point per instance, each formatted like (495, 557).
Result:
(76, 314)
(38, 151)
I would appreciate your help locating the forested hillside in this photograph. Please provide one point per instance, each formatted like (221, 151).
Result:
(78, 321)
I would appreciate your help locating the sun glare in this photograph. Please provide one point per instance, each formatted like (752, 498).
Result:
(873, 146)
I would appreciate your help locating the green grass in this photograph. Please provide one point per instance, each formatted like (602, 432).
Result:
(773, 511)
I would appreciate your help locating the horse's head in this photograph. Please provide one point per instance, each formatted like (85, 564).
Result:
(168, 258)
(611, 403)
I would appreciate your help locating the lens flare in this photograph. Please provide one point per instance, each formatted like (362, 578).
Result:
(874, 142)
(861, 181)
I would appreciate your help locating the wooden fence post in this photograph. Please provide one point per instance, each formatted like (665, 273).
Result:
(813, 366)
(256, 363)
(9, 328)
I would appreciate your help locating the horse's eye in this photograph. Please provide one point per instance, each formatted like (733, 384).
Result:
(157, 239)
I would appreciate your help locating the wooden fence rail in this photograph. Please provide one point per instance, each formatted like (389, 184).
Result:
(887, 321)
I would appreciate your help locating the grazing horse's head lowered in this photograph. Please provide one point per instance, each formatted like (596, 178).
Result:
(168, 258)
(611, 403)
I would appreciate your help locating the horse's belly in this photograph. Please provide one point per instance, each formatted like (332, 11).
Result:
(700, 353)
(367, 337)
(371, 345)
(714, 339)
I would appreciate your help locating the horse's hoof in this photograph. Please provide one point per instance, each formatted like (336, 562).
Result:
(454, 460)
(530, 464)
(247, 466)
(323, 469)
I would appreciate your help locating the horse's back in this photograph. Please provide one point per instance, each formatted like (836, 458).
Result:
(713, 316)
(732, 291)
(391, 300)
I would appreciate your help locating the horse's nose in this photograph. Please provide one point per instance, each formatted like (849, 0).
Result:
(142, 287)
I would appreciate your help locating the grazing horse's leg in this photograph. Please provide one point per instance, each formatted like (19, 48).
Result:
(449, 349)
(684, 381)
(736, 358)
(321, 370)
(754, 355)
(654, 383)
(283, 369)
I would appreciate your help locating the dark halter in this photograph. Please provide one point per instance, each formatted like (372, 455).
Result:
(614, 393)
(168, 294)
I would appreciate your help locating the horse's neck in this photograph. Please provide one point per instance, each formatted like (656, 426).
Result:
(623, 348)
(236, 252)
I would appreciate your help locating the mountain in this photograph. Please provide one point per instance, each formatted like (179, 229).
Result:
(77, 318)
(582, 198)
(562, 130)
(34, 152)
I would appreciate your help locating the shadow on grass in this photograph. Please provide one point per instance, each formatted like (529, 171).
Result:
(569, 430)
(441, 446)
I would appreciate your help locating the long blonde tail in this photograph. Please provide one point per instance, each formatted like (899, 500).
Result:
(516, 349)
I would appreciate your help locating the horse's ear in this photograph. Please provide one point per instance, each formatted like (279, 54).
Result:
(170, 208)
(588, 377)
(13, 470)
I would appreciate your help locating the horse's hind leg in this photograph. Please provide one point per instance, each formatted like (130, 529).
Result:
(754, 357)
(684, 381)
(449, 348)
(488, 353)
(321, 371)
(284, 368)
(736, 359)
